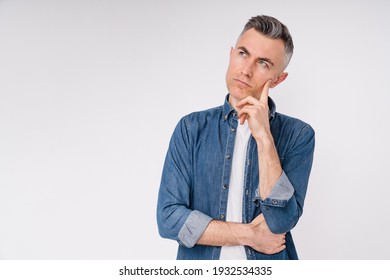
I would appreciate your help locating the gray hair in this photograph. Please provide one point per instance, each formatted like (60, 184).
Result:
(272, 28)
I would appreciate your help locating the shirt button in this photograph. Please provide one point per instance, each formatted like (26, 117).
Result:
(232, 129)
(227, 156)
(222, 216)
(224, 186)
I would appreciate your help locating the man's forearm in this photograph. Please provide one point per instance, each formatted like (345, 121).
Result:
(219, 233)
(270, 168)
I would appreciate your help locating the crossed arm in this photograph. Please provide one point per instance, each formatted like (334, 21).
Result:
(256, 235)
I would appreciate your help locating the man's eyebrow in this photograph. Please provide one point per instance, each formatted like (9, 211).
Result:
(260, 58)
(243, 49)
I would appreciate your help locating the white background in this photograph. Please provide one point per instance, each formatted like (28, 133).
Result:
(90, 92)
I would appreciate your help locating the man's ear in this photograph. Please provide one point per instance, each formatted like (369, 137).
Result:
(280, 79)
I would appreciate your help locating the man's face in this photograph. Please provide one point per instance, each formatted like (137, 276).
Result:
(253, 61)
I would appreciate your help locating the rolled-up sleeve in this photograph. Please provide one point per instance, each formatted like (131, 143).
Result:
(193, 228)
(280, 194)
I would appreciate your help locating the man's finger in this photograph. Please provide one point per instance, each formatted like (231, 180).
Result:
(243, 117)
(264, 93)
(281, 248)
(247, 100)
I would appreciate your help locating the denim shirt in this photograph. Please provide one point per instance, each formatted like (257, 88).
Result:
(195, 180)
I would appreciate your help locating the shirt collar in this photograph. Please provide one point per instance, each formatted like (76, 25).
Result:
(228, 110)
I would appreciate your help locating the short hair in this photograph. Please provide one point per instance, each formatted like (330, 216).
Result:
(274, 29)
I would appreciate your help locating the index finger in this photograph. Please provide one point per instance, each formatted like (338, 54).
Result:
(264, 93)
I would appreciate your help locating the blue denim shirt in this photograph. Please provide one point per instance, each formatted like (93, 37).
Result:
(195, 181)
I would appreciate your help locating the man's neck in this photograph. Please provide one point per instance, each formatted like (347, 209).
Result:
(233, 102)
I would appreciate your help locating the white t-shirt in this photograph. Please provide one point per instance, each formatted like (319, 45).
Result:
(236, 190)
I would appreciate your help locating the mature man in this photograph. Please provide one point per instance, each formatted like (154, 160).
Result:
(235, 176)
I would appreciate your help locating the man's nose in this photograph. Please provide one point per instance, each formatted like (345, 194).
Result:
(247, 69)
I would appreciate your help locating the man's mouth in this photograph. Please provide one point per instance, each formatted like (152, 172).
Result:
(240, 82)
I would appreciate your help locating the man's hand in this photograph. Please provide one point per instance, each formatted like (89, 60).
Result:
(256, 112)
(263, 239)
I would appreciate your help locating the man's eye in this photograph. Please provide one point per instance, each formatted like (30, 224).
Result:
(242, 53)
(263, 64)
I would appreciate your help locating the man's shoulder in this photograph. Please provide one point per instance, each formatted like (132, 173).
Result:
(293, 124)
(204, 115)
(205, 112)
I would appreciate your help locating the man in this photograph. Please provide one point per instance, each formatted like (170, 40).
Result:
(235, 176)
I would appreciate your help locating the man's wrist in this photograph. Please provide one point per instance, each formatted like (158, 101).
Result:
(243, 234)
(265, 143)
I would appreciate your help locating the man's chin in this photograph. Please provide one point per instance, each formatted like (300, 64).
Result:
(239, 95)
(235, 97)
